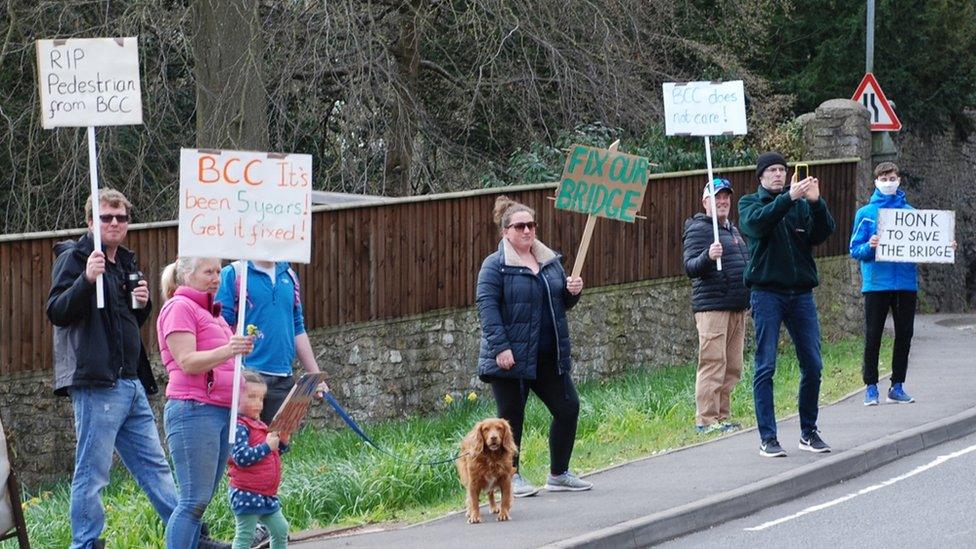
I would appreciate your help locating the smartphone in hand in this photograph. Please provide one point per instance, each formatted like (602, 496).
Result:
(802, 172)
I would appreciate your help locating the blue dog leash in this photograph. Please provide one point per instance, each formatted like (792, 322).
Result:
(355, 427)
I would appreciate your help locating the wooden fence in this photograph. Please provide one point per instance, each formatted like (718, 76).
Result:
(410, 255)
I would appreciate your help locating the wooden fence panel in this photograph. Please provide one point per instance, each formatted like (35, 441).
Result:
(410, 255)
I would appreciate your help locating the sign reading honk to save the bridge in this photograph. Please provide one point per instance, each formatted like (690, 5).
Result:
(603, 183)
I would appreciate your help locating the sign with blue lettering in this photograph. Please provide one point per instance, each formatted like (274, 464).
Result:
(89, 82)
(705, 108)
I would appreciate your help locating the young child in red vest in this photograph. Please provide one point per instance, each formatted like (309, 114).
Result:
(254, 467)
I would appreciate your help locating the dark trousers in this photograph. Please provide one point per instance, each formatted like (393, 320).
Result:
(798, 312)
(876, 307)
(278, 389)
(558, 393)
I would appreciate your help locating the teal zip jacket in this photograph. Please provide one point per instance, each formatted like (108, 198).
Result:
(781, 234)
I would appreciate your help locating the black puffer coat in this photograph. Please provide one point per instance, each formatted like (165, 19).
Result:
(711, 289)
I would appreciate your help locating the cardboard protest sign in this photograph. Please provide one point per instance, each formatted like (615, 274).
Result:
(916, 236)
(245, 205)
(704, 108)
(603, 183)
(89, 82)
(296, 404)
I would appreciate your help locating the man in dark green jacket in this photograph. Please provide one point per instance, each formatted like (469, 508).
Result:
(783, 222)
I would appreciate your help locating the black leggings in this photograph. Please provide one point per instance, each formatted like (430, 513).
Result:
(558, 393)
(876, 307)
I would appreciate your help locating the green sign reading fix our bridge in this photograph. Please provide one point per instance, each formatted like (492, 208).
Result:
(603, 183)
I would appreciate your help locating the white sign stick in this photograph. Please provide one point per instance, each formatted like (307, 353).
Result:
(238, 360)
(96, 212)
(711, 196)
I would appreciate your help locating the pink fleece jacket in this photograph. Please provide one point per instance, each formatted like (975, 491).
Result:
(194, 311)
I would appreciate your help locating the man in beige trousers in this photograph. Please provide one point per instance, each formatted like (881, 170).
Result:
(720, 300)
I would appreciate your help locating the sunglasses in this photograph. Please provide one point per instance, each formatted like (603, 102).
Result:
(107, 218)
(530, 225)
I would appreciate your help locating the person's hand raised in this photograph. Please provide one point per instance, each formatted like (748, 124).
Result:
(272, 440)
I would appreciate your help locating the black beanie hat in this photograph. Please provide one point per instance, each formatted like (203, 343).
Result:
(768, 159)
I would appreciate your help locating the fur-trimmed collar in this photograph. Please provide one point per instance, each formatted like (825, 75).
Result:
(541, 252)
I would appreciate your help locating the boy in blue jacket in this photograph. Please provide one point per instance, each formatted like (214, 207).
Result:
(886, 286)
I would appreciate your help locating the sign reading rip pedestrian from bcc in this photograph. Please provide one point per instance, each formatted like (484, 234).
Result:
(89, 82)
(916, 236)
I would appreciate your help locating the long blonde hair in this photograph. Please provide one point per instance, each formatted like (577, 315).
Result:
(174, 275)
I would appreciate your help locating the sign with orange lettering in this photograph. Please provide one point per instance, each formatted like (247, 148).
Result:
(245, 205)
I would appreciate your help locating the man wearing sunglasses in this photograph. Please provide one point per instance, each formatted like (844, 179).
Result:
(101, 363)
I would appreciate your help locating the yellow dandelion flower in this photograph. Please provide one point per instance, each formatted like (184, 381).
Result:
(448, 399)
(472, 396)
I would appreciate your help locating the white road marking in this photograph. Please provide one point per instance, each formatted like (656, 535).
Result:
(812, 509)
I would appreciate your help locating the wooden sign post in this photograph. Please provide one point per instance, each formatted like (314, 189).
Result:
(88, 82)
(245, 205)
(601, 183)
(706, 109)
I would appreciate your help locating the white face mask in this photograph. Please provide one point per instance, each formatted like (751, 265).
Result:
(886, 187)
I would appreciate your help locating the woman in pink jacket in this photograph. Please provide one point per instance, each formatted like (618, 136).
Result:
(198, 350)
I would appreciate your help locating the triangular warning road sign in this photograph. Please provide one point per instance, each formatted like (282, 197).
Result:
(870, 95)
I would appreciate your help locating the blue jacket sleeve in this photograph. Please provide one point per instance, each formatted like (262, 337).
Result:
(756, 220)
(865, 226)
(225, 295)
(299, 313)
(489, 299)
(245, 455)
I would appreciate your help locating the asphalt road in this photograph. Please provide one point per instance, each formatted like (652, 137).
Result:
(924, 500)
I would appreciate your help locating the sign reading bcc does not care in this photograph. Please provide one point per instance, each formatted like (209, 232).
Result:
(603, 183)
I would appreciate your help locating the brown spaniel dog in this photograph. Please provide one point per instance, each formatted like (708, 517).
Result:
(486, 464)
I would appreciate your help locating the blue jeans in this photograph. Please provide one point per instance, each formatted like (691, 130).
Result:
(799, 313)
(197, 438)
(115, 418)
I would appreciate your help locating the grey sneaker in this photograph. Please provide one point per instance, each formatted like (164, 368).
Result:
(567, 482)
(521, 487)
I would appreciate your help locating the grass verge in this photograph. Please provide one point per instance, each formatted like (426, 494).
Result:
(333, 479)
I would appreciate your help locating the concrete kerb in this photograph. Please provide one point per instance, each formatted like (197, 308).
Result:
(745, 500)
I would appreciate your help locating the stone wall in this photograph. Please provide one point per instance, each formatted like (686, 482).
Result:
(939, 173)
(395, 368)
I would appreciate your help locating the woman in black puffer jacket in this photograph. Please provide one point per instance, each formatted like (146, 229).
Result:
(523, 295)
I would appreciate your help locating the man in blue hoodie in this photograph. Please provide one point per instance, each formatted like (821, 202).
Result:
(886, 286)
(274, 308)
